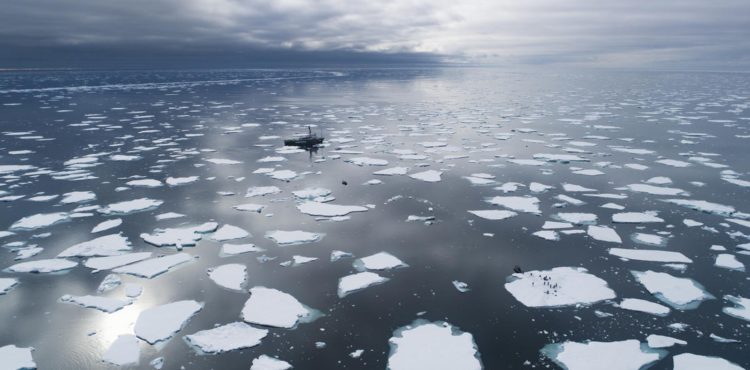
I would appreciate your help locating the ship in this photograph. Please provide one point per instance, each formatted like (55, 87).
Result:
(308, 141)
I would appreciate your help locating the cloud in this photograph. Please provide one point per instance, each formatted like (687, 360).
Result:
(665, 33)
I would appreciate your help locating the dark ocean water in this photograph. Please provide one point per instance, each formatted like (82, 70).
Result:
(462, 122)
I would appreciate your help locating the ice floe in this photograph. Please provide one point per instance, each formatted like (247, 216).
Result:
(160, 323)
(39, 221)
(229, 232)
(327, 210)
(680, 293)
(641, 305)
(229, 337)
(427, 176)
(619, 355)
(650, 255)
(603, 233)
(108, 245)
(271, 307)
(231, 276)
(125, 350)
(264, 362)
(690, 361)
(427, 345)
(560, 286)
(154, 267)
(493, 214)
(43, 266)
(356, 282)
(131, 206)
(104, 304)
(282, 237)
(16, 358)
(515, 203)
(379, 261)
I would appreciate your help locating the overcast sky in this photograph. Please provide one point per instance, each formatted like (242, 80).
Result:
(677, 34)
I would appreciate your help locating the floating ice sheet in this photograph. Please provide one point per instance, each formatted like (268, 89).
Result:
(160, 323)
(427, 345)
(560, 286)
(356, 282)
(229, 337)
(271, 307)
(680, 293)
(620, 355)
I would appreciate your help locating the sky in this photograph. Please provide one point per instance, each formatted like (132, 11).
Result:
(649, 34)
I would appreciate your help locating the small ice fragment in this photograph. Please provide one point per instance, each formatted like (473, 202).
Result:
(108, 263)
(133, 290)
(461, 286)
(6, 284)
(327, 210)
(131, 206)
(39, 221)
(729, 261)
(493, 214)
(366, 161)
(78, 197)
(741, 309)
(258, 191)
(108, 245)
(577, 218)
(235, 249)
(635, 217)
(515, 203)
(178, 181)
(337, 255)
(249, 207)
(155, 266)
(547, 234)
(661, 341)
(357, 354)
(109, 282)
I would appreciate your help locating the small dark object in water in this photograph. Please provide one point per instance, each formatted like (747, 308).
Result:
(517, 269)
(344, 182)
(308, 141)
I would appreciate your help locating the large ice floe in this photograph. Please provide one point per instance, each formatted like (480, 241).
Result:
(160, 323)
(741, 309)
(690, 361)
(125, 350)
(379, 261)
(425, 345)
(43, 266)
(229, 337)
(515, 203)
(6, 284)
(271, 307)
(39, 221)
(650, 255)
(264, 362)
(104, 304)
(560, 286)
(618, 355)
(154, 267)
(680, 293)
(179, 237)
(231, 276)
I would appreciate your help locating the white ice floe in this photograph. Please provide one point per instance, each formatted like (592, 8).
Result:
(104, 304)
(231, 276)
(366, 161)
(156, 266)
(619, 355)
(427, 176)
(168, 216)
(229, 337)
(108, 245)
(392, 171)
(108, 263)
(282, 237)
(577, 218)
(560, 286)
(327, 210)
(39, 221)
(6, 284)
(493, 214)
(729, 261)
(461, 286)
(635, 218)
(553, 225)
(379, 261)
(603, 233)
(249, 207)
(656, 190)
(356, 282)
(673, 163)
(229, 232)
(264, 362)
(145, 183)
(16, 358)
(283, 175)
(427, 345)
(160, 323)
(741, 309)
(680, 293)
(650, 255)
(690, 361)
(315, 194)
(177, 181)
(229, 249)
(547, 234)
(479, 180)
(78, 197)
(649, 239)
(179, 237)
(133, 290)
(515, 203)
(703, 206)
(662, 341)
(125, 350)
(635, 304)
(259, 191)
(271, 307)
(131, 206)
(43, 266)
(106, 225)
(222, 161)
(562, 158)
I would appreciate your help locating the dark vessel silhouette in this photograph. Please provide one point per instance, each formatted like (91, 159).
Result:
(308, 141)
